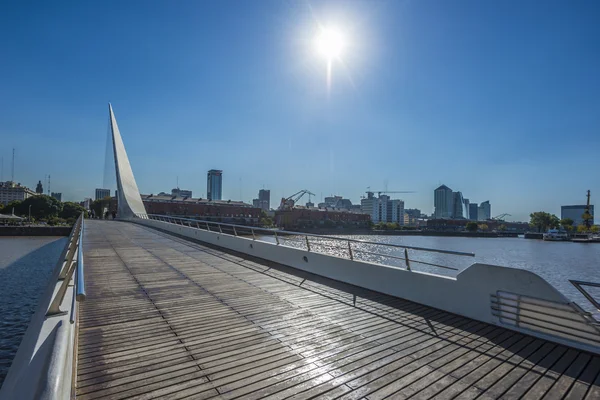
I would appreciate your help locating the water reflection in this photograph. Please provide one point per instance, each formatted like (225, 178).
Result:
(25, 267)
(556, 262)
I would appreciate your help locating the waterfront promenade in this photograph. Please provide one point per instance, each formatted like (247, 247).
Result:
(168, 318)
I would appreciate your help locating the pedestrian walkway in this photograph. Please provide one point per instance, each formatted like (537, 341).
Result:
(167, 318)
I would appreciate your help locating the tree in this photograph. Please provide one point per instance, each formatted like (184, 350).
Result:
(471, 226)
(595, 229)
(582, 228)
(502, 228)
(42, 207)
(542, 221)
(483, 227)
(71, 210)
(13, 205)
(567, 224)
(392, 226)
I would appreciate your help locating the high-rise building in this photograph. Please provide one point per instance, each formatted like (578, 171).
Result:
(576, 213)
(458, 211)
(484, 212)
(181, 192)
(264, 195)
(57, 196)
(102, 193)
(467, 208)
(39, 189)
(214, 184)
(10, 191)
(473, 211)
(383, 209)
(443, 199)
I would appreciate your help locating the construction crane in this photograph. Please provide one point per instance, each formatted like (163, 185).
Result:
(288, 203)
(501, 217)
(371, 192)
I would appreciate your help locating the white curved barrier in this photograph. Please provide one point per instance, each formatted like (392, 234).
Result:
(473, 293)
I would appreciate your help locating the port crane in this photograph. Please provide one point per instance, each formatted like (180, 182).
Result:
(371, 192)
(501, 217)
(288, 203)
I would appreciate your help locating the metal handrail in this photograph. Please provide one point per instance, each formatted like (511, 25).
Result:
(579, 286)
(346, 247)
(73, 264)
(279, 231)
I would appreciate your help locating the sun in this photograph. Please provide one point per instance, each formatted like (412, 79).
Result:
(330, 43)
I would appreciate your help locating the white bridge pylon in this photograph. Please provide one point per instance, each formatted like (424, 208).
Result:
(130, 201)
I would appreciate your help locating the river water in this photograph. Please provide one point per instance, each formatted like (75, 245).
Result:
(26, 264)
(556, 262)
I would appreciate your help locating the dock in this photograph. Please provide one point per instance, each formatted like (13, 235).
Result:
(169, 318)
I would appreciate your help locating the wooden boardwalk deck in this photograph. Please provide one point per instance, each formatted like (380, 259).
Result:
(170, 319)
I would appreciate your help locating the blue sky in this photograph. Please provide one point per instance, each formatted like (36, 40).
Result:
(500, 100)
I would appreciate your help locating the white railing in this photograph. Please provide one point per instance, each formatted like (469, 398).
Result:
(353, 249)
(520, 299)
(45, 361)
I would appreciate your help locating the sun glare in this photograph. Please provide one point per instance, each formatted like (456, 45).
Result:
(330, 43)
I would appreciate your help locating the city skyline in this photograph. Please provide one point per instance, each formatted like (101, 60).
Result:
(431, 93)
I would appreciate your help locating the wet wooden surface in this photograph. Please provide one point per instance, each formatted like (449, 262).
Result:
(170, 319)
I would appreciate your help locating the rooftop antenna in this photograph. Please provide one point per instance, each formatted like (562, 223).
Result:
(12, 172)
(177, 182)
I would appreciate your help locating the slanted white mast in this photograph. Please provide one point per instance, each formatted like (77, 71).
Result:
(130, 201)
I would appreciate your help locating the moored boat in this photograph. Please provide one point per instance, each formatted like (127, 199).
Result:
(555, 235)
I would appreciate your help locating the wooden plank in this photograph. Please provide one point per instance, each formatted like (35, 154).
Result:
(170, 319)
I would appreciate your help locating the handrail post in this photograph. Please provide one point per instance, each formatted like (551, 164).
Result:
(234, 231)
(307, 243)
(207, 227)
(198, 225)
(276, 238)
(350, 251)
(253, 236)
(406, 259)
(220, 229)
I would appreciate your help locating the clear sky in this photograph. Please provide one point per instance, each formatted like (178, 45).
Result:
(497, 99)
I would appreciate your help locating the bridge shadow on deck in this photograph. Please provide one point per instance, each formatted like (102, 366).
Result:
(531, 361)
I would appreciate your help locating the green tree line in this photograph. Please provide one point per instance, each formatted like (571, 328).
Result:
(45, 209)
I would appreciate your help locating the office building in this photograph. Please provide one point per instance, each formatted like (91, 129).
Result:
(336, 202)
(484, 212)
(443, 199)
(458, 211)
(383, 209)
(473, 211)
(264, 200)
(214, 184)
(181, 192)
(10, 191)
(102, 193)
(264, 196)
(576, 212)
(413, 212)
(57, 196)
(467, 208)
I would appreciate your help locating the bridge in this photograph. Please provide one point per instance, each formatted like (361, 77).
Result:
(153, 306)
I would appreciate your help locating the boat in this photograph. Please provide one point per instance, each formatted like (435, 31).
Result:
(591, 238)
(555, 235)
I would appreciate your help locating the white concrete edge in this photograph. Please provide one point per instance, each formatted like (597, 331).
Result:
(469, 294)
(42, 367)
